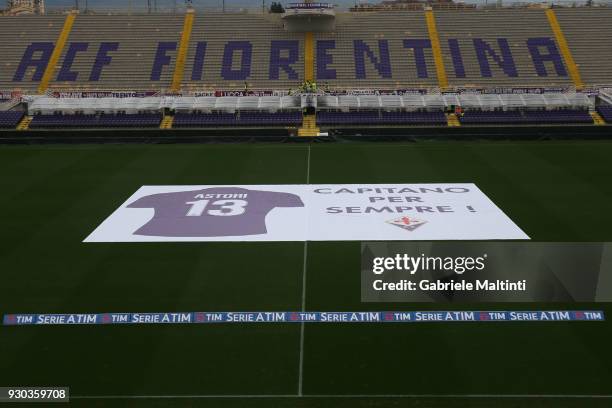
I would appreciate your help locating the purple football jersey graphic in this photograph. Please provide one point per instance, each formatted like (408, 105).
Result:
(211, 212)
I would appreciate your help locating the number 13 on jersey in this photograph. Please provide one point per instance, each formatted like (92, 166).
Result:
(223, 208)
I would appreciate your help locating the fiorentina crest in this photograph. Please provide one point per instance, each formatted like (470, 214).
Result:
(407, 223)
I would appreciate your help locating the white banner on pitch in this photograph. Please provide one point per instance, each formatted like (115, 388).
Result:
(323, 212)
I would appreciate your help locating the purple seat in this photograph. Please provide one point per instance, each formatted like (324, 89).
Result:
(62, 121)
(140, 120)
(605, 111)
(268, 118)
(245, 118)
(10, 119)
(564, 116)
(215, 119)
(491, 117)
(527, 117)
(336, 118)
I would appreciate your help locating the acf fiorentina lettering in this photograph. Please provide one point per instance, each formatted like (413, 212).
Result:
(283, 58)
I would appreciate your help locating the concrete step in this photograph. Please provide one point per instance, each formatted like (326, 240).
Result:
(452, 120)
(597, 119)
(166, 122)
(309, 126)
(25, 123)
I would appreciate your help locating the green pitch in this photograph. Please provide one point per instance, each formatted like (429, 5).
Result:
(52, 197)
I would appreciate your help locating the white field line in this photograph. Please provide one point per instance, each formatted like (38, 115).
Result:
(373, 396)
(304, 268)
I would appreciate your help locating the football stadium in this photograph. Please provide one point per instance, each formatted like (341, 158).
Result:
(405, 203)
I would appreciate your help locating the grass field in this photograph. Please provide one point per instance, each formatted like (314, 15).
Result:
(54, 196)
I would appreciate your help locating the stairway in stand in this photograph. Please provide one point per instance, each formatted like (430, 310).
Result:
(452, 120)
(309, 126)
(25, 123)
(597, 119)
(166, 122)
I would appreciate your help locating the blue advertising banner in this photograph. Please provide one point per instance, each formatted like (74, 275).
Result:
(303, 317)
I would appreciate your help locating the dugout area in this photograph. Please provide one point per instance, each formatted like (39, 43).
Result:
(53, 196)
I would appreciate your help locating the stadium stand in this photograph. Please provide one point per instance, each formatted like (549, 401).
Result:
(244, 118)
(204, 119)
(238, 51)
(368, 117)
(557, 116)
(513, 65)
(513, 47)
(10, 119)
(606, 112)
(585, 30)
(492, 49)
(518, 117)
(139, 120)
(134, 44)
(333, 110)
(376, 50)
(19, 36)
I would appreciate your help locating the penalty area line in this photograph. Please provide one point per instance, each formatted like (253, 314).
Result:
(373, 396)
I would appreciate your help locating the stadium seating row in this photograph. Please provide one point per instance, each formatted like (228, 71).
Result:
(141, 120)
(242, 119)
(381, 118)
(564, 116)
(332, 118)
(10, 119)
(606, 112)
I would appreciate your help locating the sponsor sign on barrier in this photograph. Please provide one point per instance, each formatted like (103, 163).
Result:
(323, 212)
(103, 94)
(304, 317)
